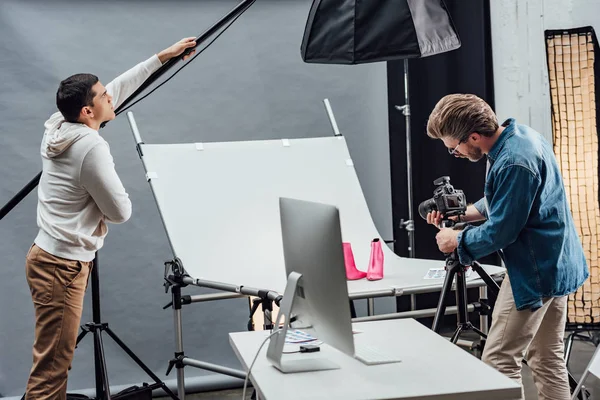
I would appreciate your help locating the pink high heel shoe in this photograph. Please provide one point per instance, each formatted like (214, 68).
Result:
(351, 272)
(375, 271)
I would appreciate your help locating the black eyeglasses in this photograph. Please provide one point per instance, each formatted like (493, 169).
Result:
(453, 151)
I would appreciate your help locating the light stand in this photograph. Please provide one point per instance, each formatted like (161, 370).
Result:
(96, 328)
(408, 225)
(175, 279)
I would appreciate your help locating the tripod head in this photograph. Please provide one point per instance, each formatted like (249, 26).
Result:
(452, 260)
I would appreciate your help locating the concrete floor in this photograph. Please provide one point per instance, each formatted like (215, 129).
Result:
(581, 354)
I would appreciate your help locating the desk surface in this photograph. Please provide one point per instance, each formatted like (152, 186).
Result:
(431, 367)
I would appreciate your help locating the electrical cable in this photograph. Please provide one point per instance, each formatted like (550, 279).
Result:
(253, 361)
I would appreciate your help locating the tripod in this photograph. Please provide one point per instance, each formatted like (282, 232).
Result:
(96, 328)
(454, 269)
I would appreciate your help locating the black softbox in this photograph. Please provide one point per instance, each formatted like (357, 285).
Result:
(362, 31)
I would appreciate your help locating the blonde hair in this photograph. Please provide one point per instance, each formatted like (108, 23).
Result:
(458, 115)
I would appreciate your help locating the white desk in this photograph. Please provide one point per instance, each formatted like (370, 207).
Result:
(432, 367)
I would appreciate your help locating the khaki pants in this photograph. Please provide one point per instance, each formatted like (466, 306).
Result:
(57, 288)
(539, 333)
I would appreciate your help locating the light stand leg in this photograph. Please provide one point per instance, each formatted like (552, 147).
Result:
(139, 362)
(102, 389)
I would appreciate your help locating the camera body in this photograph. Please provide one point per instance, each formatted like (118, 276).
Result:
(447, 200)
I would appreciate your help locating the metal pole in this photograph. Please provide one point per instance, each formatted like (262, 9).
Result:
(215, 368)
(371, 306)
(483, 319)
(334, 126)
(429, 312)
(409, 225)
(176, 292)
(411, 235)
(227, 287)
(12, 203)
(134, 128)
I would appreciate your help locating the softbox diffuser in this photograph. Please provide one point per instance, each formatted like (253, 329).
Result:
(355, 31)
(573, 74)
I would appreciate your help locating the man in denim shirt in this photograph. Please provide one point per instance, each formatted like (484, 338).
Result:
(527, 218)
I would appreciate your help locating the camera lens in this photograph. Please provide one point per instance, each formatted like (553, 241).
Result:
(426, 207)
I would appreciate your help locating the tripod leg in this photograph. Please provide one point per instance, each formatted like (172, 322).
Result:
(479, 332)
(102, 387)
(461, 297)
(140, 363)
(494, 287)
(457, 333)
(441, 308)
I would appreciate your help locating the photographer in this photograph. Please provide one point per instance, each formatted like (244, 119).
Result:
(527, 219)
(79, 192)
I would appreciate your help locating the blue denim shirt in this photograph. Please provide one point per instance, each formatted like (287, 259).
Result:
(530, 220)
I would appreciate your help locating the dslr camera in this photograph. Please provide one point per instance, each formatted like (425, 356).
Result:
(447, 200)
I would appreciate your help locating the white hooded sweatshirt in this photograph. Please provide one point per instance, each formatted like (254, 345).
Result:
(79, 190)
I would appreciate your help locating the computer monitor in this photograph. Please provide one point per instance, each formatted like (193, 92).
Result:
(317, 292)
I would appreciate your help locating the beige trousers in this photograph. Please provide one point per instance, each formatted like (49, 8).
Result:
(57, 288)
(539, 334)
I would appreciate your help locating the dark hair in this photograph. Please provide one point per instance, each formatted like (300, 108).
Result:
(458, 115)
(74, 93)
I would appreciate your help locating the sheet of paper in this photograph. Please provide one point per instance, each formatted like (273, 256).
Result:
(298, 336)
(440, 273)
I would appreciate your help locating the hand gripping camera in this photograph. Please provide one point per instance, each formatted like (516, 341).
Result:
(447, 200)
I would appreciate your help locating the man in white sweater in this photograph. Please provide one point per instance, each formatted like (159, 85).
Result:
(79, 192)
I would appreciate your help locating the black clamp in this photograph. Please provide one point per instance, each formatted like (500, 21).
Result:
(176, 362)
(187, 299)
(92, 327)
(483, 307)
(176, 277)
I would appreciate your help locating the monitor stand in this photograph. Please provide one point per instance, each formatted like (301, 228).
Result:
(275, 353)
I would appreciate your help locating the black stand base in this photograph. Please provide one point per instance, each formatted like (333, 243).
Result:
(96, 328)
(103, 390)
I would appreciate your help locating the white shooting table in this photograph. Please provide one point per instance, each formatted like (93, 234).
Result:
(431, 367)
(219, 206)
